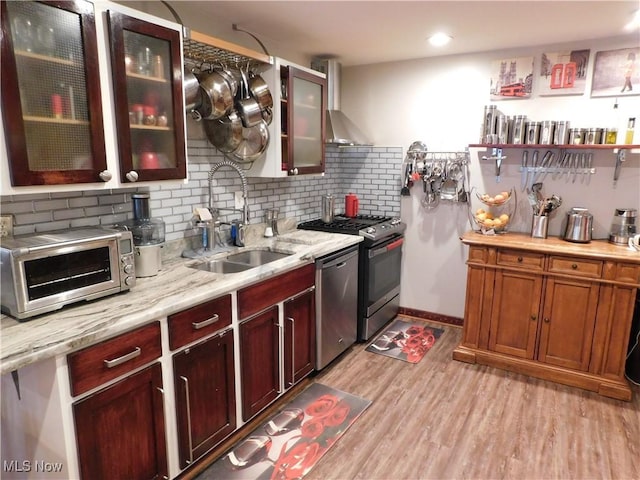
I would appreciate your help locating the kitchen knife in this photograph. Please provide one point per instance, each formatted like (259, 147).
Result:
(534, 164)
(525, 172)
(589, 162)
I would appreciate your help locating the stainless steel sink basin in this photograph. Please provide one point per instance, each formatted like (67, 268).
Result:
(222, 266)
(256, 257)
(241, 261)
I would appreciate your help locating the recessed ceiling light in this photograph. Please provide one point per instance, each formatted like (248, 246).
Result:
(439, 39)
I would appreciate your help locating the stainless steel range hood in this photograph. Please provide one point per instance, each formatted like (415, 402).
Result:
(339, 129)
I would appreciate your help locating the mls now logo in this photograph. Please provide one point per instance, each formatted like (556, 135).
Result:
(29, 466)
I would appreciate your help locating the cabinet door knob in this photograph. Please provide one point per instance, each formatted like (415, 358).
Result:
(519, 259)
(105, 175)
(574, 266)
(132, 176)
(547, 320)
(293, 171)
(534, 317)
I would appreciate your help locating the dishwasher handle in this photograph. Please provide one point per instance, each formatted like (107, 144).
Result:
(338, 259)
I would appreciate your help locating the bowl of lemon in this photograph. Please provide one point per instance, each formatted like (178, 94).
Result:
(494, 200)
(488, 221)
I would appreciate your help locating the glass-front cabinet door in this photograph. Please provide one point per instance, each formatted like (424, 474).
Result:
(51, 100)
(147, 79)
(303, 109)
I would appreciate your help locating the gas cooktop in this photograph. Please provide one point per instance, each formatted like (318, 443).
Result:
(372, 227)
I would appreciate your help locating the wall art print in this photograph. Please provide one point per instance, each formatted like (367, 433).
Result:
(511, 78)
(563, 73)
(616, 73)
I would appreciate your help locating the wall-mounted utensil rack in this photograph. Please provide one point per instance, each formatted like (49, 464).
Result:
(573, 151)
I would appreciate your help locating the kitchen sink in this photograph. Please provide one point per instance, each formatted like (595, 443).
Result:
(256, 257)
(241, 261)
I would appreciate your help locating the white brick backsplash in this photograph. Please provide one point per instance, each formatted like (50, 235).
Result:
(373, 173)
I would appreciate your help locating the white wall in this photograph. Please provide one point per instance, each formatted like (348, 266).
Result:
(440, 101)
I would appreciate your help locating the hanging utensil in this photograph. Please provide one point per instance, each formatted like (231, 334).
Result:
(589, 162)
(525, 171)
(534, 166)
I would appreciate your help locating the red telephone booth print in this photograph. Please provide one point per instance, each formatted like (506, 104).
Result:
(557, 75)
(569, 75)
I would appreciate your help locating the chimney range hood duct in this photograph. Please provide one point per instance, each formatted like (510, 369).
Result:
(339, 129)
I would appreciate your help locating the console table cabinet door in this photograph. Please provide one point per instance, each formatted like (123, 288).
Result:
(514, 315)
(568, 320)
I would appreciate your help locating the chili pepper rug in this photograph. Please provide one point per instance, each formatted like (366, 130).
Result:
(405, 340)
(291, 442)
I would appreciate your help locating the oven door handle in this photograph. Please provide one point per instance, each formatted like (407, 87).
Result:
(387, 248)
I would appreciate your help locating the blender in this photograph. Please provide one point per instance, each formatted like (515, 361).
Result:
(623, 225)
(148, 237)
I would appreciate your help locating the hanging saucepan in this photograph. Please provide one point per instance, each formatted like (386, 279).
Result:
(255, 141)
(230, 78)
(192, 95)
(248, 107)
(217, 100)
(267, 115)
(225, 133)
(260, 91)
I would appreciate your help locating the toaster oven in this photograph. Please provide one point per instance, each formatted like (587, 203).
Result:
(44, 272)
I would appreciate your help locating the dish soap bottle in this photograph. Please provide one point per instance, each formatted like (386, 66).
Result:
(628, 139)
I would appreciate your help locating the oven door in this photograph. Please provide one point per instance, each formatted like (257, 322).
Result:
(380, 281)
(48, 280)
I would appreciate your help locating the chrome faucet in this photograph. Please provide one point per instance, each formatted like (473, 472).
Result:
(245, 197)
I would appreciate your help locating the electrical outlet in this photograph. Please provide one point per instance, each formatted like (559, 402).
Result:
(239, 202)
(6, 225)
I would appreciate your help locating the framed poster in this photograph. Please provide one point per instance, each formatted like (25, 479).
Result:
(616, 73)
(511, 78)
(563, 73)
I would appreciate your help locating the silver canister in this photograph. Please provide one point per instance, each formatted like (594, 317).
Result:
(575, 136)
(517, 133)
(489, 121)
(533, 133)
(502, 128)
(546, 132)
(561, 132)
(328, 205)
(593, 136)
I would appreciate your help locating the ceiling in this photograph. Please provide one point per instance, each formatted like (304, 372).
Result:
(366, 31)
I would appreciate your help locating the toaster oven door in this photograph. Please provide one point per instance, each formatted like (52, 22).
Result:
(49, 280)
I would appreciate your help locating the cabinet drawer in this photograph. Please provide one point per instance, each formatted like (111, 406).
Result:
(199, 321)
(478, 254)
(95, 365)
(258, 297)
(581, 267)
(626, 272)
(517, 258)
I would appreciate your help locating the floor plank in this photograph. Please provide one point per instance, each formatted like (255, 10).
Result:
(446, 419)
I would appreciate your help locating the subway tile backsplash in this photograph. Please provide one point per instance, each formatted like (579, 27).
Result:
(373, 173)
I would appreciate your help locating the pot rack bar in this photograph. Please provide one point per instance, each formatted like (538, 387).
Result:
(201, 48)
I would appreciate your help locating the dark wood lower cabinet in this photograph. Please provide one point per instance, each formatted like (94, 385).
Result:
(259, 361)
(120, 430)
(299, 337)
(205, 396)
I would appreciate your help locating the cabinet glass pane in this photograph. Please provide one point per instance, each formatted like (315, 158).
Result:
(149, 92)
(307, 128)
(49, 55)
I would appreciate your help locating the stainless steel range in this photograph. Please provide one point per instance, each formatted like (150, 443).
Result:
(380, 259)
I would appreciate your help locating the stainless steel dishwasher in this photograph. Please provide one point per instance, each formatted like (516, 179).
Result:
(336, 304)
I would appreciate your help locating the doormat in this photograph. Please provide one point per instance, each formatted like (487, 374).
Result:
(289, 444)
(408, 341)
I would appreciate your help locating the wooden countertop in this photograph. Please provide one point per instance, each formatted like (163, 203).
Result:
(175, 288)
(600, 249)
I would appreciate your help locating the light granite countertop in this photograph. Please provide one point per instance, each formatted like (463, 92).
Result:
(175, 288)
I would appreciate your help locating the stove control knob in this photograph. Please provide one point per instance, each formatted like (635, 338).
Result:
(371, 230)
(395, 221)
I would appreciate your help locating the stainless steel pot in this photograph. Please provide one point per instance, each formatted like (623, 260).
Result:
(255, 141)
(248, 107)
(217, 99)
(579, 225)
(226, 133)
(260, 91)
(192, 96)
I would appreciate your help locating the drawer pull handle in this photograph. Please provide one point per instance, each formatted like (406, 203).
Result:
(124, 358)
(574, 266)
(519, 259)
(534, 317)
(204, 323)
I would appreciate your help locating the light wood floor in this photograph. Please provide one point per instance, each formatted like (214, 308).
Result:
(444, 419)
